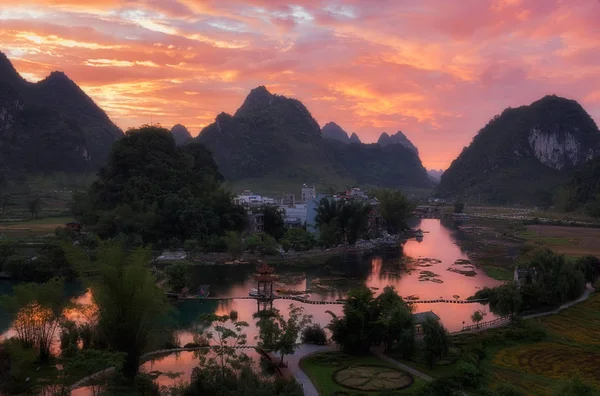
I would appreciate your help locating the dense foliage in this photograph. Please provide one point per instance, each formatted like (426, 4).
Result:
(369, 321)
(551, 281)
(499, 166)
(274, 137)
(341, 221)
(298, 239)
(130, 307)
(583, 190)
(155, 192)
(395, 209)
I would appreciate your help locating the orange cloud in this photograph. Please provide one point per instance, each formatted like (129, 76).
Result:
(437, 70)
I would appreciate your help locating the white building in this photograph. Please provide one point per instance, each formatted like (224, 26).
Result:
(294, 214)
(308, 193)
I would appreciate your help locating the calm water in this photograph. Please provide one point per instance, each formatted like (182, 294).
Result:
(427, 269)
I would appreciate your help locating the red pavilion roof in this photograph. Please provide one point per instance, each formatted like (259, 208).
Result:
(265, 269)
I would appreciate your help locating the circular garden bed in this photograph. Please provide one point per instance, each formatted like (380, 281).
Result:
(370, 378)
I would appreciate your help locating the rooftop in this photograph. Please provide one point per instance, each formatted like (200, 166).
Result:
(422, 317)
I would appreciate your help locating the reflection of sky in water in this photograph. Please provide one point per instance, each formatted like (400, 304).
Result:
(335, 278)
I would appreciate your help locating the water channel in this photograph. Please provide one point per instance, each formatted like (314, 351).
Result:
(432, 268)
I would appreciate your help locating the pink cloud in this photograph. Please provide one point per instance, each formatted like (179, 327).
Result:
(437, 70)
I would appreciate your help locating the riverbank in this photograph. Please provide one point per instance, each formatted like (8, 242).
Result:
(390, 244)
(491, 245)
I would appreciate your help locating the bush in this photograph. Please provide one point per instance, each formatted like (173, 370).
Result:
(298, 239)
(441, 387)
(314, 335)
(467, 374)
(261, 243)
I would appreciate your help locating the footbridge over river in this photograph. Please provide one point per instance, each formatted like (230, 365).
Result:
(320, 302)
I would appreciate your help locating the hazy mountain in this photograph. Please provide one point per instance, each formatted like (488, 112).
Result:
(180, 134)
(435, 174)
(354, 138)
(50, 125)
(331, 130)
(274, 137)
(397, 138)
(524, 154)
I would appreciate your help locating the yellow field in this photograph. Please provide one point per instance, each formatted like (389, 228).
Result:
(572, 346)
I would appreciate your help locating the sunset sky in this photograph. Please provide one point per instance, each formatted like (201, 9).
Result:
(436, 69)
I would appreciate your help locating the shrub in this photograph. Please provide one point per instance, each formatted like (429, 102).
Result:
(314, 335)
(467, 374)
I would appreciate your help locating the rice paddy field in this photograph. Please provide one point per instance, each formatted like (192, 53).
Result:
(571, 241)
(572, 346)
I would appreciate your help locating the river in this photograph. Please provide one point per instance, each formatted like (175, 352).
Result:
(431, 268)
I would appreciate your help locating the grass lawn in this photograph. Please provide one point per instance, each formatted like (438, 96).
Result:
(498, 273)
(322, 367)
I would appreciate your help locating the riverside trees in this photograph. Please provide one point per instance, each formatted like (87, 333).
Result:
(370, 321)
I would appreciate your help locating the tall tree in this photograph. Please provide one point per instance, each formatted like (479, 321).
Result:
(34, 204)
(435, 341)
(356, 331)
(281, 335)
(395, 209)
(38, 309)
(274, 224)
(131, 308)
(396, 322)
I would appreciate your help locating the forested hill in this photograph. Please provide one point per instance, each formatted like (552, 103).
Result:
(524, 154)
(51, 125)
(275, 137)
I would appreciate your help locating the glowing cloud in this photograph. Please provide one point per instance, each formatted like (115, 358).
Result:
(435, 69)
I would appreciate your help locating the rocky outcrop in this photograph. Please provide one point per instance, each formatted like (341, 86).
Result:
(559, 150)
(333, 131)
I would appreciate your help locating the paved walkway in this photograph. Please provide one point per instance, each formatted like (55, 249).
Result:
(586, 294)
(293, 362)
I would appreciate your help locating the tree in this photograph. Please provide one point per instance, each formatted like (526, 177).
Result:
(356, 331)
(314, 334)
(178, 276)
(590, 266)
(459, 207)
(235, 247)
(153, 192)
(395, 209)
(354, 220)
(297, 239)
(396, 322)
(477, 317)
(37, 309)
(280, 335)
(435, 341)
(227, 339)
(274, 224)
(6, 251)
(34, 204)
(131, 308)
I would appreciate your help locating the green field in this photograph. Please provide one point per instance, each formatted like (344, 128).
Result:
(322, 367)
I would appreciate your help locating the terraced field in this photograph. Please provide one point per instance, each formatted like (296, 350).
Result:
(572, 346)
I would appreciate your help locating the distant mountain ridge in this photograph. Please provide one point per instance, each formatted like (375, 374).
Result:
(435, 174)
(333, 131)
(51, 125)
(397, 138)
(524, 154)
(272, 136)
